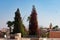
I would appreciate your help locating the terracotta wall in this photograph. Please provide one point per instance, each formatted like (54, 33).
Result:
(54, 34)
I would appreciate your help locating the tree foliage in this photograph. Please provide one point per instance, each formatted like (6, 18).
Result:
(33, 24)
(9, 23)
(55, 28)
(18, 24)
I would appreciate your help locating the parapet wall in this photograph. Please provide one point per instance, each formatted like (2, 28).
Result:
(54, 34)
(18, 37)
(32, 39)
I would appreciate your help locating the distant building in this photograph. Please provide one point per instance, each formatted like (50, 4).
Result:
(4, 32)
(54, 33)
(1, 34)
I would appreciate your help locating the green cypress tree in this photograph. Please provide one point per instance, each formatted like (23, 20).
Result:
(18, 25)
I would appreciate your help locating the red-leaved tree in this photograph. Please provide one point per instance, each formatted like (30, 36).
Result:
(33, 24)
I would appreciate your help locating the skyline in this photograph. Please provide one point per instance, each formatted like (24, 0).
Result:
(47, 10)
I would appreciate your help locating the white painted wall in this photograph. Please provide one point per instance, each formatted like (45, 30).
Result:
(26, 38)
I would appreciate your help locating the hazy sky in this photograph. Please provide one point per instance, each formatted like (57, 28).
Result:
(47, 10)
